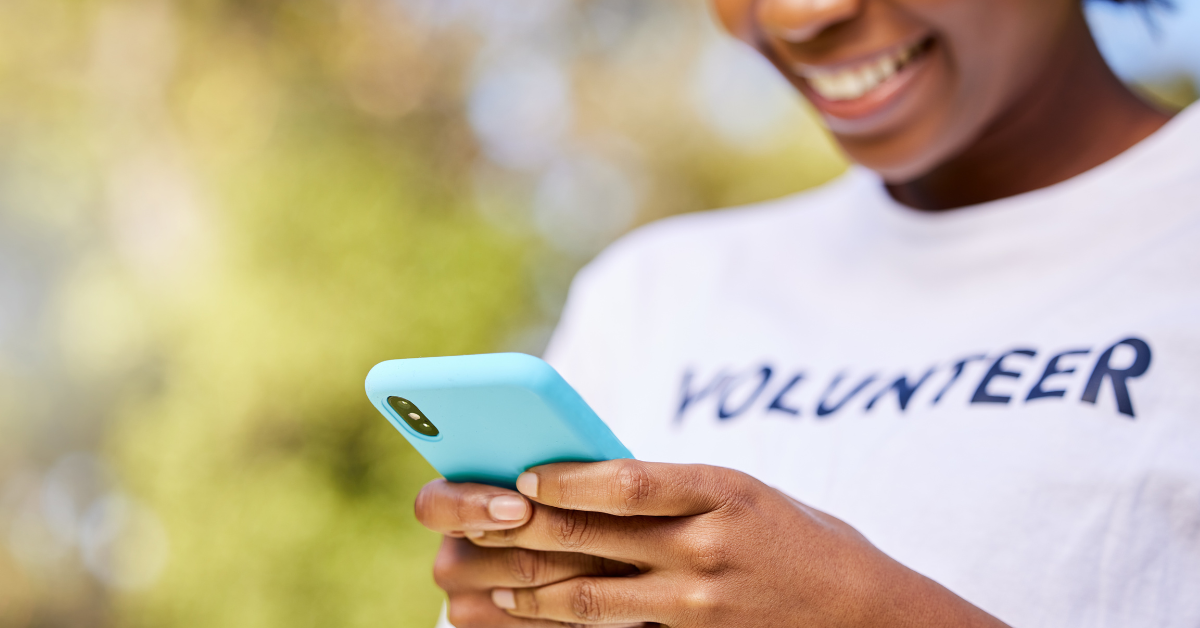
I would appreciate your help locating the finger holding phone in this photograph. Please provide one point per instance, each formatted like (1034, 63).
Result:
(470, 573)
(711, 546)
(481, 420)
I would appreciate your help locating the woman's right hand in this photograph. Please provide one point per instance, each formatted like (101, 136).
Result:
(469, 574)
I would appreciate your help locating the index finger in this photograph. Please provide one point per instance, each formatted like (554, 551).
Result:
(448, 508)
(634, 488)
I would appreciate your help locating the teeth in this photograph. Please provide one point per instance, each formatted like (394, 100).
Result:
(855, 82)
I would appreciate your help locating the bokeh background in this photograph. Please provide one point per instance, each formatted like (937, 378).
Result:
(217, 215)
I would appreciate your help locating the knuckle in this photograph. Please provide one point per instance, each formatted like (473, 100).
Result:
(423, 506)
(634, 487)
(462, 613)
(525, 566)
(501, 538)
(568, 489)
(587, 603)
(737, 489)
(573, 529)
(530, 604)
(444, 570)
(448, 567)
(701, 599)
(455, 614)
(734, 493)
(708, 554)
(462, 507)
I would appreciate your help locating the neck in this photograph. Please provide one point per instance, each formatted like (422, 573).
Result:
(1075, 117)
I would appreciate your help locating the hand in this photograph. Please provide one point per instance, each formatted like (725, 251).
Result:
(469, 573)
(713, 548)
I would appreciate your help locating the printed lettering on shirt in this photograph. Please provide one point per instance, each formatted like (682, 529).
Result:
(731, 392)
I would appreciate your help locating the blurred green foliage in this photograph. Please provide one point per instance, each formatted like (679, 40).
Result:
(234, 210)
(287, 498)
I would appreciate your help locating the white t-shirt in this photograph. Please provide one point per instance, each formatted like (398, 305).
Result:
(1004, 397)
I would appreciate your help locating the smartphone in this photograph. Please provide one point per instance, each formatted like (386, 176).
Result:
(488, 418)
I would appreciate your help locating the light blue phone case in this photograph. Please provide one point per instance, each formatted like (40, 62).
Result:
(496, 415)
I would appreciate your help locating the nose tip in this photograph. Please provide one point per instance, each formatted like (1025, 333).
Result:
(801, 20)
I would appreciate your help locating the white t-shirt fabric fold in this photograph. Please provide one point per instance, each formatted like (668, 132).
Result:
(1004, 397)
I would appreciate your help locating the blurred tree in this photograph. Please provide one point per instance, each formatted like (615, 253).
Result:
(245, 205)
(344, 240)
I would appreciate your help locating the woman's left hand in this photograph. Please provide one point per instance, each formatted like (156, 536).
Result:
(716, 548)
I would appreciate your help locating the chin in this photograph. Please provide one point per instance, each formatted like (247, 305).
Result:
(896, 161)
(916, 148)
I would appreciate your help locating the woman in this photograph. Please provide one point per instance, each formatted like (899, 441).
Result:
(978, 350)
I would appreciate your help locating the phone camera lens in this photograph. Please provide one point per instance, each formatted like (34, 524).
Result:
(412, 415)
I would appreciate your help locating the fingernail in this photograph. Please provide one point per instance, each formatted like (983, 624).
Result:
(504, 598)
(507, 508)
(475, 534)
(527, 483)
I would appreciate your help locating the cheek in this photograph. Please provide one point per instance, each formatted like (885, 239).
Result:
(979, 68)
(734, 15)
(996, 54)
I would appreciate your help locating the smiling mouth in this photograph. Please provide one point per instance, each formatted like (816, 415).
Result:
(855, 81)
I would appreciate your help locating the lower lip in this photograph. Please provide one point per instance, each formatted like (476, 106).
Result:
(868, 111)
